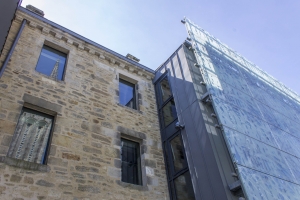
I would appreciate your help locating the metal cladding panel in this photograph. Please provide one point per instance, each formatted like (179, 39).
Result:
(202, 164)
(7, 12)
(179, 86)
(259, 117)
(189, 86)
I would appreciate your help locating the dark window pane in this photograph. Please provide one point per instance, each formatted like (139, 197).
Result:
(169, 112)
(165, 89)
(177, 153)
(51, 63)
(127, 94)
(184, 187)
(31, 137)
(130, 157)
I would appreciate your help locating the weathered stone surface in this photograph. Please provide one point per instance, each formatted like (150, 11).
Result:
(114, 172)
(103, 139)
(65, 187)
(88, 188)
(117, 163)
(7, 127)
(70, 156)
(97, 145)
(112, 152)
(28, 180)
(150, 163)
(86, 169)
(95, 177)
(25, 78)
(6, 140)
(78, 175)
(57, 161)
(91, 150)
(15, 178)
(44, 183)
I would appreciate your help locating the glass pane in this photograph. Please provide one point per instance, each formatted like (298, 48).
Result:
(184, 187)
(177, 153)
(165, 89)
(126, 94)
(51, 63)
(130, 162)
(31, 137)
(169, 112)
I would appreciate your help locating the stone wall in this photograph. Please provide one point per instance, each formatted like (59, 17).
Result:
(84, 160)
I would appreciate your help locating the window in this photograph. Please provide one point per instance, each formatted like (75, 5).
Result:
(169, 112)
(184, 187)
(131, 162)
(127, 94)
(165, 89)
(31, 138)
(51, 63)
(177, 153)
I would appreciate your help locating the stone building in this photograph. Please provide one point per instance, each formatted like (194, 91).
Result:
(80, 121)
(69, 127)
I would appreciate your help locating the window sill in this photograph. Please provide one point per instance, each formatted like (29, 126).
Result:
(132, 186)
(24, 164)
(130, 109)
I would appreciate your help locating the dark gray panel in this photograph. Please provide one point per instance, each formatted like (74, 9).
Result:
(7, 12)
(196, 160)
(189, 86)
(179, 86)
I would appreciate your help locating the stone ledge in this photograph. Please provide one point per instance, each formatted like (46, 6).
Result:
(24, 164)
(42, 103)
(130, 109)
(132, 186)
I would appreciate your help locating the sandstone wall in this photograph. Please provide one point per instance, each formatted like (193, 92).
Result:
(84, 160)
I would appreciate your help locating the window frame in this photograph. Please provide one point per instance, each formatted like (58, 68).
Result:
(139, 162)
(130, 82)
(43, 111)
(56, 48)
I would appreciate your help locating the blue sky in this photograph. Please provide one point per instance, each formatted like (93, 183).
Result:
(266, 32)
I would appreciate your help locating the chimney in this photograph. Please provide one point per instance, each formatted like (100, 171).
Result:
(131, 57)
(35, 10)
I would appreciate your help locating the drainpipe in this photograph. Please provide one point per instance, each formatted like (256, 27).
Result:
(12, 48)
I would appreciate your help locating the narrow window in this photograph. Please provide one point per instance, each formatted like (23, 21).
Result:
(165, 89)
(177, 153)
(131, 162)
(51, 63)
(31, 138)
(169, 112)
(127, 94)
(184, 187)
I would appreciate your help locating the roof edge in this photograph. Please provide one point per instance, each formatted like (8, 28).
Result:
(80, 37)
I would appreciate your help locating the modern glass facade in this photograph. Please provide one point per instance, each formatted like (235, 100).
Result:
(258, 115)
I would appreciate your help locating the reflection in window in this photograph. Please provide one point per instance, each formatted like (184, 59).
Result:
(177, 153)
(127, 94)
(165, 89)
(169, 112)
(51, 63)
(31, 137)
(184, 187)
(131, 167)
